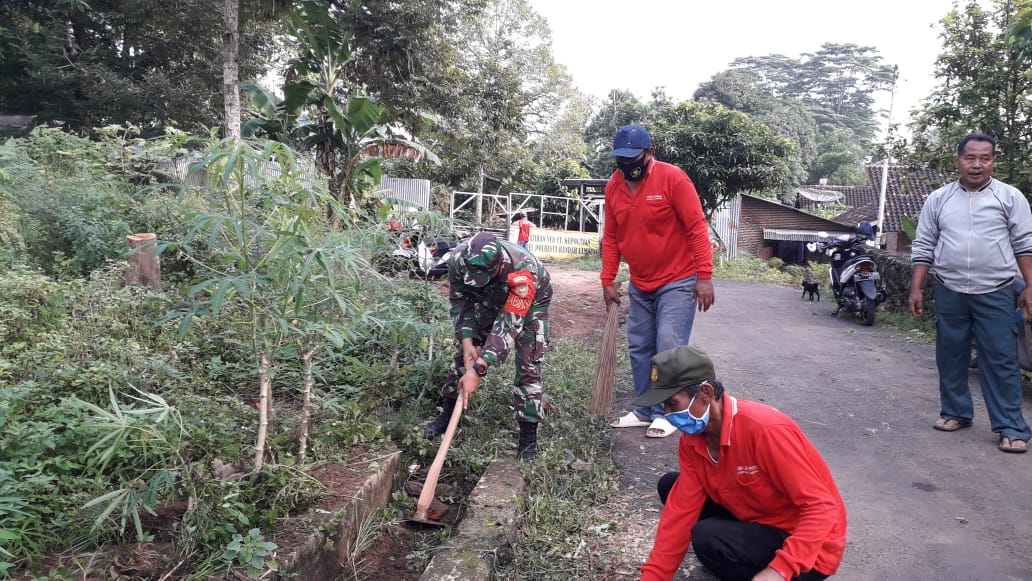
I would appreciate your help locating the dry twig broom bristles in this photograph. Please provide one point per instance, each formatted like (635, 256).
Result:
(600, 402)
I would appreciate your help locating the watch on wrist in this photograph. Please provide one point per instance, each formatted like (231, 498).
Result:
(480, 368)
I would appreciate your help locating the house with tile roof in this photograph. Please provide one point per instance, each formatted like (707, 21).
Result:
(810, 198)
(907, 187)
(753, 226)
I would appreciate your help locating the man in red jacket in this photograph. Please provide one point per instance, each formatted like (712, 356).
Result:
(654, 221)
(524, 225)
(754, 497)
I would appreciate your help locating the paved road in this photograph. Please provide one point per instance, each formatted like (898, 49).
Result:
(922, 504)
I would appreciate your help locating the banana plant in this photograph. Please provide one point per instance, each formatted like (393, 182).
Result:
(350, 134)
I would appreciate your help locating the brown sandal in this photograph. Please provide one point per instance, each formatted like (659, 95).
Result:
(1013, 445)
(950, 425)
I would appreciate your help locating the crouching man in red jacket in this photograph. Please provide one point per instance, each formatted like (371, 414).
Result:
(754, 497)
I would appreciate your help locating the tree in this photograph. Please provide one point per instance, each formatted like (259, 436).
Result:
(511, 92)
(1020, 31)
(823, 101)
(840, 160)
(558, 153)
(349, 132)
(740, 90)
(723, 151)
(985, 86)
(838, 81)
(231, 67)
(620, 108)
(91, 63)
(267, 255)
(405, 54)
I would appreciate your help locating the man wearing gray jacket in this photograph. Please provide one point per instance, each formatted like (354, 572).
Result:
(976, 234)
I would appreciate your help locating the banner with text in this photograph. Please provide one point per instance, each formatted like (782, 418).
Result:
(560, 243)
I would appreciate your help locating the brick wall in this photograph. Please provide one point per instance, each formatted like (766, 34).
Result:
(758, 214)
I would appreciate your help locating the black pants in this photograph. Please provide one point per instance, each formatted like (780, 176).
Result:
(728, 547)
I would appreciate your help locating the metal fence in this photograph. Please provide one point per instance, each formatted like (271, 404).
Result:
(544, 211)
(409, 191)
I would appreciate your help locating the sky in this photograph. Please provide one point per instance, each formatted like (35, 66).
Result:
(638, 45)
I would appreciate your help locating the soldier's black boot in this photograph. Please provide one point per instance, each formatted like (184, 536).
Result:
(527, 449)
(439, 425)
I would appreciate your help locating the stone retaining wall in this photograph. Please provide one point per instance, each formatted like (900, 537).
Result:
(896, 272)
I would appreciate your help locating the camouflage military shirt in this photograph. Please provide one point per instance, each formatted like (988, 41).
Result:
(495, 288)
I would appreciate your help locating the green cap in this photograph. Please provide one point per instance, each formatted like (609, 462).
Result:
(674, 370)
(481, 255)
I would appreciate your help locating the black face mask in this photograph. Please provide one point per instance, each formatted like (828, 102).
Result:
(634, 170)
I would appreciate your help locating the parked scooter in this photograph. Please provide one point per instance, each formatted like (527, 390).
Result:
(429, 260)
(855, 279)
(420, 258)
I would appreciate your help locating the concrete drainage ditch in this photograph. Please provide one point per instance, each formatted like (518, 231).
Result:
(487, 531)
(479, 543)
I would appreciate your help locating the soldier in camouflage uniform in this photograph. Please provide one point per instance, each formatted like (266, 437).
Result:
(499, 294)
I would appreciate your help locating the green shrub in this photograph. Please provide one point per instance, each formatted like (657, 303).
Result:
(76, 200)
(108, 411)
(12, 246)
(773, 271)
(32, 304)
(252, 553)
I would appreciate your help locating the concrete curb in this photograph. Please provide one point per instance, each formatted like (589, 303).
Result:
(313, 561)
(484, 537)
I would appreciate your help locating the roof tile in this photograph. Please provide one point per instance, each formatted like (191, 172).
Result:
(907, 187)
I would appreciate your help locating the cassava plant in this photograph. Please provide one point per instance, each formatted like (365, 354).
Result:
(150, 430)
(268, 253)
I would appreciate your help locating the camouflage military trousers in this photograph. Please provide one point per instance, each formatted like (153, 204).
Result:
(529, 350)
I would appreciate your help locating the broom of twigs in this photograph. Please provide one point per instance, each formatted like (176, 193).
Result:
(601, 401)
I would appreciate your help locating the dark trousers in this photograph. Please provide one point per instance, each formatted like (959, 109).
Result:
(728, 547)
(989, 319)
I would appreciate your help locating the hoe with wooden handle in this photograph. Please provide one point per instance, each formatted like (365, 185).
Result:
(426, 496)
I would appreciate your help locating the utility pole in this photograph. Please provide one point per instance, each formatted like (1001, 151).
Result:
(885, 163)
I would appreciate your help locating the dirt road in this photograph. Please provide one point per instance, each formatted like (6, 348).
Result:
(922, 504)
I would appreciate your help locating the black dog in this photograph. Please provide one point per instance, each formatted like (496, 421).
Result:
(812, 289)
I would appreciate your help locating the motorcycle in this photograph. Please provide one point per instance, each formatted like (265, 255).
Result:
(421, 259)
(855, 279)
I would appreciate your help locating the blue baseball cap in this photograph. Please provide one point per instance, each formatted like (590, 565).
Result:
(630, 141)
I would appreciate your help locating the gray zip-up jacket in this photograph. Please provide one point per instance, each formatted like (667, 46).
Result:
(971, 239)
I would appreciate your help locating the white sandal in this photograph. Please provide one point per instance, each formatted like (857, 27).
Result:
(663, 426)
(630, 420)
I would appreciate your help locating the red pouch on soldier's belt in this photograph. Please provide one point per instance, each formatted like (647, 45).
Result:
(521, 292)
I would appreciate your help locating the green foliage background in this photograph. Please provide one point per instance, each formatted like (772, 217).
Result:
(107, 413)
(116, 400)
(984, 86)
